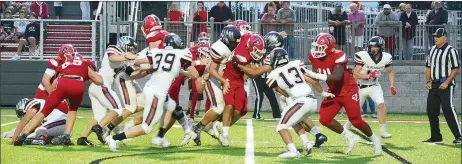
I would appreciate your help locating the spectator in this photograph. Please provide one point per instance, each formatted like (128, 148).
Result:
(286, 18)
(361, 8)
(58, 8)
(371, 107)
(337, 20)
(40, 8)
(94, 9)
(387, 22)
(358, 20)
(277, 3)
(269, 19)
(199, 16)
(31, 38)
(85, 8)
(7, 27)
(401, 9)
(20, 25)
(438, 16)
(174, 14)
(409, 21)
(432, 7)
(222, 15)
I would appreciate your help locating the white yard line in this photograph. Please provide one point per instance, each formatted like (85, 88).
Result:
(5, 124)
(249, 145)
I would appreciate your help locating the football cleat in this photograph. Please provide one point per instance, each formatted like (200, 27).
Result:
(218, 128)
(64, 139)
(112, 143)
(320, 139)
(347, 125)
(84, 142)
(352, 142)
(457, 140)
(99, 132)
(189, 135)
(162, 142)
(385, 134)
(431, 141)
(224, 141)
(307, 147)
(377, 146)
(290, 154)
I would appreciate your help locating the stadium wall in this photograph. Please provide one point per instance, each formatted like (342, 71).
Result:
(20, 79)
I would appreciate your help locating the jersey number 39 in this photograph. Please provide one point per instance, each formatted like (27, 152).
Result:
(166, 61)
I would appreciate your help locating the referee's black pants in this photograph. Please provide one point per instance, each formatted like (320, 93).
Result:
(260, 87)
(442, 98)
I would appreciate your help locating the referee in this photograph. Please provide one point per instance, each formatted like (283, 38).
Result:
(442, 66)
(259, 84)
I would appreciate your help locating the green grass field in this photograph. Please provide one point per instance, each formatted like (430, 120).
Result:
(406, 143)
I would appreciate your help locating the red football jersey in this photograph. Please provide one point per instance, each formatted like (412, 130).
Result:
(326, 65)
(77, 67)
(155, 36)
(242, 56)
(52, 70)
(196, 56)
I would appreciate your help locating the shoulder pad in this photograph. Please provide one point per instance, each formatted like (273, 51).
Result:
(340, 57)
(52, 63)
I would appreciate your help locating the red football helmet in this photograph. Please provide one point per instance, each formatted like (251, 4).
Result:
(203, 38)
(323, 44)
(64, 50)
(151, 23)
(256, 44)
(242, 25)
(204, 52)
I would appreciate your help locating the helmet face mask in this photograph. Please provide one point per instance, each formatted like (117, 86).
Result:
(318, 51)
(375, 43)
(273, 40)
(279, 58)
(21, 107)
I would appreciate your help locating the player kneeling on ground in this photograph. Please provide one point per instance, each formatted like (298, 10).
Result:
(52, 126)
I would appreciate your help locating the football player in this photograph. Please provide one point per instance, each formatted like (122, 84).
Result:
(166, 65)
(289, 79)
(369, 67)
(45, 88)
(220, 52)
(274, 41)
(69, 85)
(115, 62)
(105, 102)
(330, 65)
(53, 125)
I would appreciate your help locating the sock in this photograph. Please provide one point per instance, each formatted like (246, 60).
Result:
(225, 131)
(208, 126)
(314, 130)
(161, 133)
(382, 128)
(346, 133)
(304, 138)
(373, 137)
(111, 126)
(183, 123)
(119, 137)
(292, 147)
(129, 124)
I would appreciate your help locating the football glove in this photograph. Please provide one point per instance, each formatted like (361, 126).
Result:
(392, 90)
(374, 75)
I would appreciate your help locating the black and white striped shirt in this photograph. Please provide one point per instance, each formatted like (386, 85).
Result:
(441, 61)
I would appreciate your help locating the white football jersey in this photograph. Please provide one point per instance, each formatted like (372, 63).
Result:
(290, 78)
(55, 115)
(167, 64)
(220, 54)
(107, 67)
(370, 64)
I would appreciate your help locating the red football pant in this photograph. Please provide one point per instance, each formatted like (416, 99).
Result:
(237, 96)
(330, 108)
(194, 99)
(70, 89)
(174, 90)
(41, 94)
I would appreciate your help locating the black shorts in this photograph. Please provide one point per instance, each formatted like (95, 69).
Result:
(340, 38)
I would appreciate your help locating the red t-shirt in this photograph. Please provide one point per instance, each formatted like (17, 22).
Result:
(174, 16)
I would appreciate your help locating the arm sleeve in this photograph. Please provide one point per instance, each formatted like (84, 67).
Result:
(271, 82)
(50, 72)
(358, 60)
(454, 58)
(186, 60)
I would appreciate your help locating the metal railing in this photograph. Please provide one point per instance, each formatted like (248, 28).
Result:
(85, 31)
(305, 33)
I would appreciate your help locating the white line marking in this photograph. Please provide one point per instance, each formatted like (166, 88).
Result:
(5, 124)
(249, 146)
